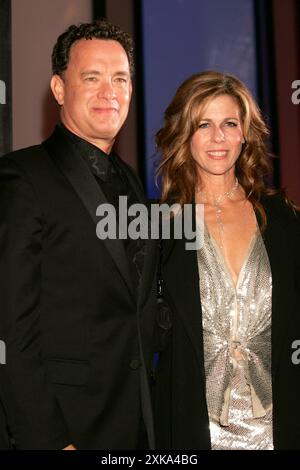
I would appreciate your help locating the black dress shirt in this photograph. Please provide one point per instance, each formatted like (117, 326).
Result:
(114, 183)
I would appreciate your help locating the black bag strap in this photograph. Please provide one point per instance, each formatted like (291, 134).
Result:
(164, 313)
(159, 278)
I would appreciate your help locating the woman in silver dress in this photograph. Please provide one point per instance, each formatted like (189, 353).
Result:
(228, 376)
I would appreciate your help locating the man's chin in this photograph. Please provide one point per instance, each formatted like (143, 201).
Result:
(106, 133)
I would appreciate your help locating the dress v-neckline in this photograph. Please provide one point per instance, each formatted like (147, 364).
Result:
(223, 261)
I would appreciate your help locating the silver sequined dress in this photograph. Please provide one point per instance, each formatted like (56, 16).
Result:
(237, 347)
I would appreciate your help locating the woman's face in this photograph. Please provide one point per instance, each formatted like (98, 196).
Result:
(216, 145)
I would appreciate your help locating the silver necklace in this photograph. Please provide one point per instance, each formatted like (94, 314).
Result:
(216, 203)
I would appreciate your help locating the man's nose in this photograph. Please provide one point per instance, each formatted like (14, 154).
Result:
(106, 90)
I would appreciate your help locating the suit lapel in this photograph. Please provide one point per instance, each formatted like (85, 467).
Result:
(133, 180)
(148, 271)
(150, 245)
(182, 274)
(78, 174)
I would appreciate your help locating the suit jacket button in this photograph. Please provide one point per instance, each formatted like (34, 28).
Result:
(135, 364)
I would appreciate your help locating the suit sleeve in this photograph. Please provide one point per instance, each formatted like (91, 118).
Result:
(295, 245)
(33, 415)
(298, 253)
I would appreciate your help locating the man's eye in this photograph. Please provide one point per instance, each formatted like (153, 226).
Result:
(121, 80)
(90, 79)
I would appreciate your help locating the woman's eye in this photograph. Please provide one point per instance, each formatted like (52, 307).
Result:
(231, 124)
(203, 125)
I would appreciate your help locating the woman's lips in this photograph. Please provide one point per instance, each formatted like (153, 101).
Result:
(217, 154)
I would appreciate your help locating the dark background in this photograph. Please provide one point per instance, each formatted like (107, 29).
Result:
(257, 40)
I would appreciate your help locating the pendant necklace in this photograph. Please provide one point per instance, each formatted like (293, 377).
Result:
(216, 203)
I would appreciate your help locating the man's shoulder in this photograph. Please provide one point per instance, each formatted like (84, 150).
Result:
(35, 158)
(25, 154)
(31, 156)
(25, 161)
(15, 174)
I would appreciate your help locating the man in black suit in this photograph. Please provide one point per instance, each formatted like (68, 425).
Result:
(76, 311)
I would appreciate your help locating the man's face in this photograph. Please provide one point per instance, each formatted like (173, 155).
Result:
(95, 91)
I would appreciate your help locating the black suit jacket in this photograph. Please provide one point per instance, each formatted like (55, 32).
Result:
(181, 411)
(78, 340)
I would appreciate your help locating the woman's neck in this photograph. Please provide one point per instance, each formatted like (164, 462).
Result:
(214, 186)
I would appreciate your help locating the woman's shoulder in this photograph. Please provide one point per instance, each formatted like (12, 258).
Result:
(280, 207)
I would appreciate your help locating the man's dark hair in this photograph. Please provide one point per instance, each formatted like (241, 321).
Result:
(99, 29)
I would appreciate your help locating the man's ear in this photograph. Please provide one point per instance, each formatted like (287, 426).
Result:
(130, 91)
(58, 89)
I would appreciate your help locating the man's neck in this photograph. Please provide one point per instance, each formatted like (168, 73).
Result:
(102, 144)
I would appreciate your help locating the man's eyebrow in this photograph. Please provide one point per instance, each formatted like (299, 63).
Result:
(90, 72)
(96, 72)
(122, 72)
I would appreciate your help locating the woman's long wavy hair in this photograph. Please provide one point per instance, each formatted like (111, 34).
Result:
(178, 169)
